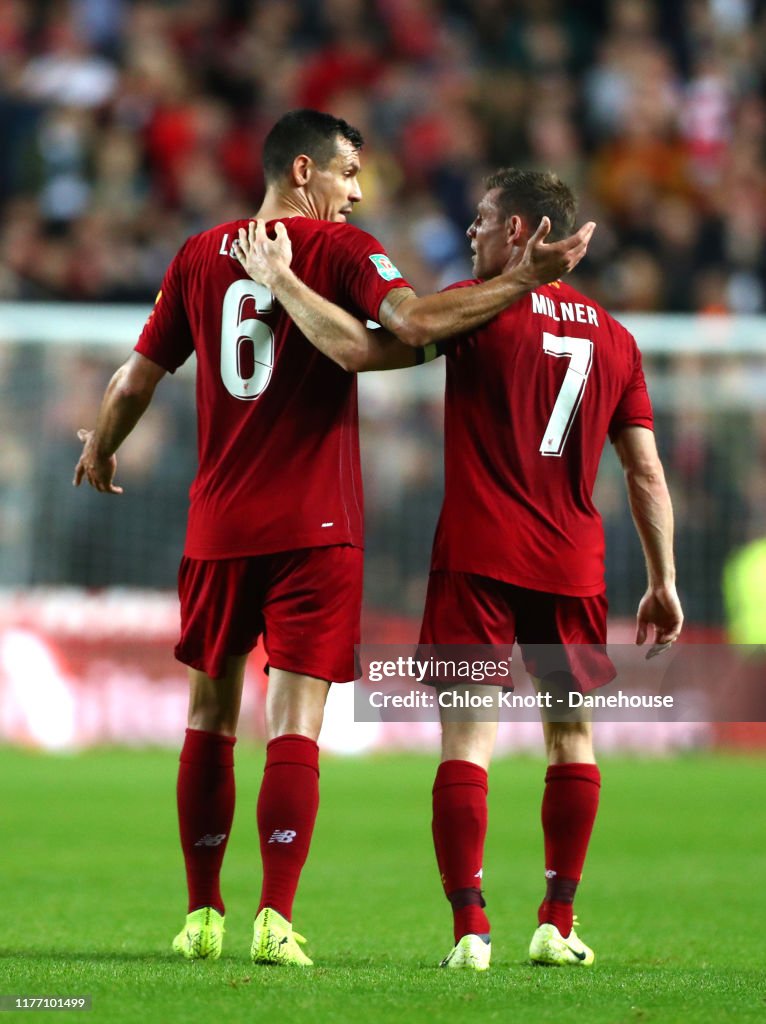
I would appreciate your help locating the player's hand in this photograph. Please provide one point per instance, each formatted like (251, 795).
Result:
(660, 608)
(97, 470)
(262, 257)
(544, 262)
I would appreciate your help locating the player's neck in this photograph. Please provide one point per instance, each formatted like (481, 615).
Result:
(276, 205)
(516, 256)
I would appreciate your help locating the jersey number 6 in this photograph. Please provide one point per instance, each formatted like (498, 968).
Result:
(580, 352)
(245, 341)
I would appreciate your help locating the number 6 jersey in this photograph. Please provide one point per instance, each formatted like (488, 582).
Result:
(530, 400)
(278, 436)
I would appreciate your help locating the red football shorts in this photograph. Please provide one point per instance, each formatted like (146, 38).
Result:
(307, 604)
(462, 608)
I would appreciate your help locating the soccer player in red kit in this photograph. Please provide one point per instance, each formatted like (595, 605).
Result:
(274, 539)
(518, 555)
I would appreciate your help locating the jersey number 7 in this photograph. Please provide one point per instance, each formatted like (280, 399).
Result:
(580, 353)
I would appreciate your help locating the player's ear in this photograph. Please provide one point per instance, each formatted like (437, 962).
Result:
(302, 169)
(515, 228)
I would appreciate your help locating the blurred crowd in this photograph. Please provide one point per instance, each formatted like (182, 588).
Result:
(128, 125)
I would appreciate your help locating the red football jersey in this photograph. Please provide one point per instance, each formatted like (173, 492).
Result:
(278, 436)
(530, 400)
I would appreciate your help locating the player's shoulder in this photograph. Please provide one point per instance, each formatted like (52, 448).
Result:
(334, 232)
(586, 310)
(351, 238)
(342, 244)
(218, 239)
(298, 228)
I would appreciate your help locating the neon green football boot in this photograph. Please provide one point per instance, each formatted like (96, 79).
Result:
(472, 953)
(275, 942)
(550, 948)
(201, 938)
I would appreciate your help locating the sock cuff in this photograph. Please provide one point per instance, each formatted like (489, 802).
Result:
(574, 770)
(460, 773)
(202, 747)
(471, 897)
(560, 889)
(293, 749)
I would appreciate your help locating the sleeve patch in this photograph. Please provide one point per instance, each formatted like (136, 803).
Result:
(385, 267)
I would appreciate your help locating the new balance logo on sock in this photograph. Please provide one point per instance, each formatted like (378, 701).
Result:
(479, 873)
(208, 840)
(550, 874)
(282, 835)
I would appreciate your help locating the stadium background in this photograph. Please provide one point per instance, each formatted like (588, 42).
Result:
(127, 126)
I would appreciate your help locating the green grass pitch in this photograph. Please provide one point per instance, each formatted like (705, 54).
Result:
(672, 900)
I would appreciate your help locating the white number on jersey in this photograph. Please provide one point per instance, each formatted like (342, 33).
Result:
(580, 353)
(237, 333)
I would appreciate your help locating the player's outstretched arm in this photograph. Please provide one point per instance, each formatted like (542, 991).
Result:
(125, 400)
(331, 329)
(653, 515)
(418, 321)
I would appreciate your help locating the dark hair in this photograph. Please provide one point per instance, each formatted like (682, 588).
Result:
(304, 131)
(533, 195)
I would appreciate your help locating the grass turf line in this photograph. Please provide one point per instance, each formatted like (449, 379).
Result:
(671, 900)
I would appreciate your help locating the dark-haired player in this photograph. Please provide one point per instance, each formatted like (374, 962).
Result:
(274, 539)
(518, 554)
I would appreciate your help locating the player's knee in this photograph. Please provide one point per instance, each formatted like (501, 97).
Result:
(216, 720)
(295, 705)
(298, 718)
(469, 741)
(210, 713)
(568, 742)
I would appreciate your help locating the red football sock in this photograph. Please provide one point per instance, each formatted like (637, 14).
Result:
(570, 803)
(459, 828)
(205, 795)
(287, 810)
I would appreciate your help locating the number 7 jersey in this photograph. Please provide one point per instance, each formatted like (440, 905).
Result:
(278, 435)
(530, 400)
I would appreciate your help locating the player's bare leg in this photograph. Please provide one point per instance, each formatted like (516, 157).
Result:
(468, 741)
(206, 796)
(569, 742)
(460, 823)
(214, 703)
(570, 804)
(287, 809)
(295, 705)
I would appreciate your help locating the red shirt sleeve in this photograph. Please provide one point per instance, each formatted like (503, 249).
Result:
(364, 270)
(634, 408)
(166, 338)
